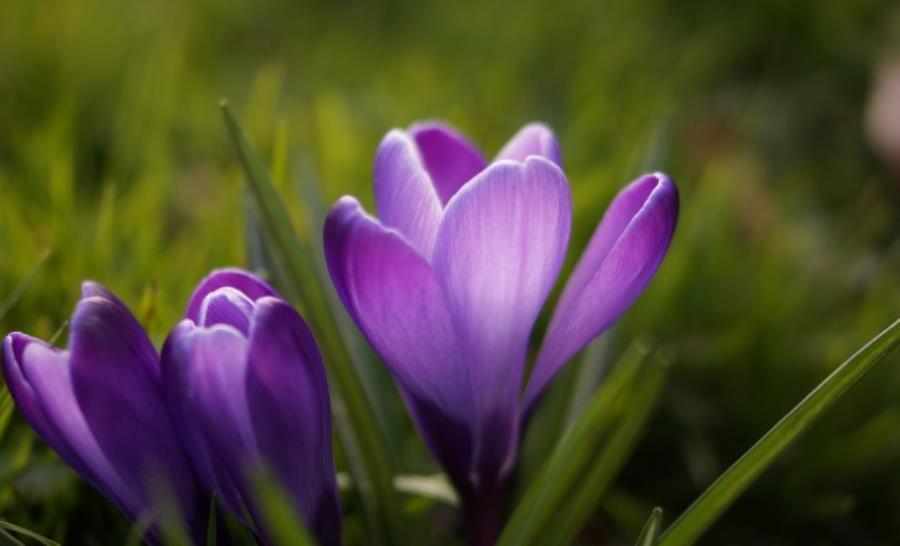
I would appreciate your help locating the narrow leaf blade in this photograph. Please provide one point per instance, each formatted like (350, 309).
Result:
(587, 492)
(280, 517)
(650, 534)
(361, 437)
(7, 526)
(546, 496)
(719, 496)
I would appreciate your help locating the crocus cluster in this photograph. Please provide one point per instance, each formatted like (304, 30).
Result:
(239, 392)
(447, 281)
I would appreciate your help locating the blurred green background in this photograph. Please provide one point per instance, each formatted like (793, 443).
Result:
(115, 166)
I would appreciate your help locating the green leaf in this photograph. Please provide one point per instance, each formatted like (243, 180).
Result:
(9, 540)
(6, 409)
(165, 514)
(582, 500)
(7, 526)
(222, 527)
(650, 534)
(367, 368)
(58, 333)
(281, 519)
(719, 496)
(546, 497)
(361, 437)
(212, 524)
(590, 374)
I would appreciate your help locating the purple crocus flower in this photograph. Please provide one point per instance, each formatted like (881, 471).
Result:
(447, 281)
(100, 406)
(245, 379)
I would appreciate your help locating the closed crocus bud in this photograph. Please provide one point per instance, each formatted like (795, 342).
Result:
(447, 281)
(99, 405)
(244, 376)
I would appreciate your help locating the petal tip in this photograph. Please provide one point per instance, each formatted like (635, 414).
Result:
(340, 217)
(665, 191)
(533, 139)
(93, 289)
(269, 304)
(431, 125)
(346, 202)
(242, 280)
(13, 347)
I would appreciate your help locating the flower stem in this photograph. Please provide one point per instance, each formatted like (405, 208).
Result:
(483, 512)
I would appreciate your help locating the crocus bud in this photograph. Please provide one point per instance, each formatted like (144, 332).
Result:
(447, 281)
(245, 379)
(99, 405)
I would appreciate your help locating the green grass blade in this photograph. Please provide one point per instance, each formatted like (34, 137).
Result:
(274, 217)
(281, 519)
(9, 540)
(590, 374)
(7, 526)
(316, 209)
(361, 437)
(212, 523)
(546, 496)
(719, 496)
(23, 285)
(586, 493)
(6, 409)
(650, 534)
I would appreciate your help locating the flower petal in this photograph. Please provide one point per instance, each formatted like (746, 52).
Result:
(533, 139)
(621, 258)
(404, 195)
(178, 370)
(391, 293)
(449, 158)
(252, 286)
(498, 252)
(115, 379)
(39, 380)
(289, 407)
(226, 305)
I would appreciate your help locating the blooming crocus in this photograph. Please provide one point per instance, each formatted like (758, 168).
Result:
(100, 405)
(245, 380)
(447, 281)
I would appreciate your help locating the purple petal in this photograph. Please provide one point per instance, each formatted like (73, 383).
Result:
(218, 378)
(404, 195)
(115, 379)
(449, 158)
(390, 291)
(252, 286)
(497, 255)
(289, 407)
(91, 289)
(177, 378)
(226, 305)
(621, 258)
(39, 380)
(533, 139)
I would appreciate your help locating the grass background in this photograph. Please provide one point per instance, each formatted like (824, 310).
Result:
(115, 166)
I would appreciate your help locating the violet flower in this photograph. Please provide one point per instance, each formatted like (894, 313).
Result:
(447, 281)
(100, 406)
(245, 380)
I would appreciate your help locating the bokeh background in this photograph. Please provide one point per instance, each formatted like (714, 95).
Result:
(115, 166)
